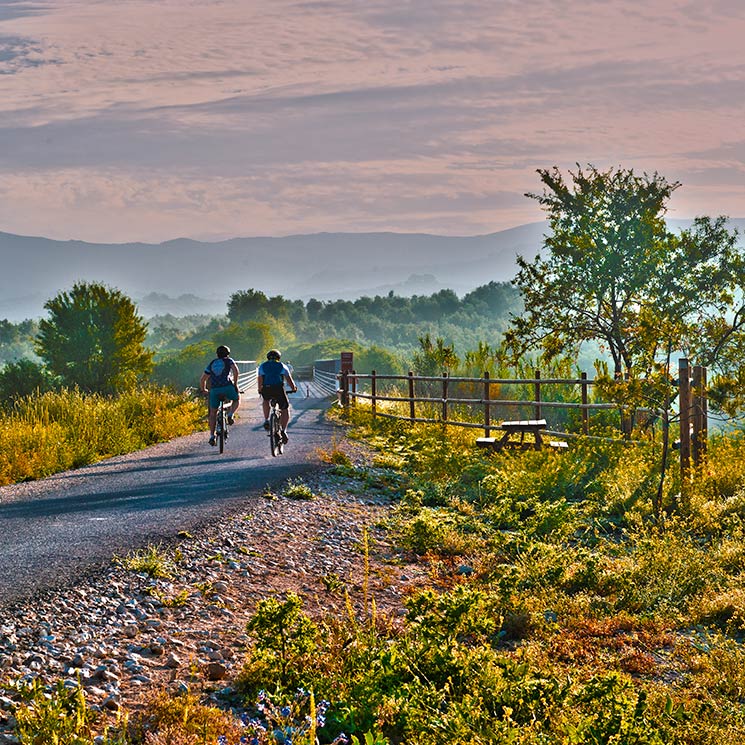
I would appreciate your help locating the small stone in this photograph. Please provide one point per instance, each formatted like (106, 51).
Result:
(216, 671)
(112, 703)
(131, 630)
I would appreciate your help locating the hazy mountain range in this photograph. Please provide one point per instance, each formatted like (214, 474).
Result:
(184, 276)
(202, 276)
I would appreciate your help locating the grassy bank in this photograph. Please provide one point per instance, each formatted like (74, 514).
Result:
(52, 432)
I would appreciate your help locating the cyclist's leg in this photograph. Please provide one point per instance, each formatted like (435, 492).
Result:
(284, 411)
(212, 418)
(234, 404)
(214, 403)
(265, 407)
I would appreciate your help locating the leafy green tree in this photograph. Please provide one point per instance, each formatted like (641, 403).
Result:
(434, 357)
(93, 338)
(612, 272)
(22, 378)
(182, 369)
(246, 305)
(247, 341)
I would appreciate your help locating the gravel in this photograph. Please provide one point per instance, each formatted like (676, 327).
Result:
(124, 634)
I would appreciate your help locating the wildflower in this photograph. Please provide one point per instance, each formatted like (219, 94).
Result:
(285, 711)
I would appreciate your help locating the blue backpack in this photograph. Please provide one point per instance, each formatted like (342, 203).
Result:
(218, 371)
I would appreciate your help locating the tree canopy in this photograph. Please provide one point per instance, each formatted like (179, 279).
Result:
(93, 338)
(612, 272)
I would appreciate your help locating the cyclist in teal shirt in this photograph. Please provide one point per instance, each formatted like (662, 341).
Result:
(271, 377)
(222, 376)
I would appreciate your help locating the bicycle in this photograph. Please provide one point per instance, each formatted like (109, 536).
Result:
(276, 443)
(221, 423)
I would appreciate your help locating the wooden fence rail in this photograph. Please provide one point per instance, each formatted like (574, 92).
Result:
(691, 397)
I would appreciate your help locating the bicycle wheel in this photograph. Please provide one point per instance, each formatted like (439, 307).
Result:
(275, 440)
(221, 424)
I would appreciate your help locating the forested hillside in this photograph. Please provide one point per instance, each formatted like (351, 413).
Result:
(386, 332)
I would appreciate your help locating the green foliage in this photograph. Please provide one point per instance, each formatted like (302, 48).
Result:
(184, 720)
(22, 378)
(94, 339)
(151, 560)
(612, 273)
(17, 340)
(434, 357)
(248, 340)
(298, 489)
(387, 328)
(284, 637)
(365, 358)
(59, 715)
(181, 370)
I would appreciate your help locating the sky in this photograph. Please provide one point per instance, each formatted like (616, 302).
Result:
(148, 120)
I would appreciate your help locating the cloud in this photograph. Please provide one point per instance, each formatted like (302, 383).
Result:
(347, 114)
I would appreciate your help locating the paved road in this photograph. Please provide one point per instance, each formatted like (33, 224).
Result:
(54, 530)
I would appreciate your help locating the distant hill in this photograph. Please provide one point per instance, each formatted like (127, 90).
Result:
(185, 277)
(323, 265)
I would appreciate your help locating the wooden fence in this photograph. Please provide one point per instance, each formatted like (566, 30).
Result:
(435, 393)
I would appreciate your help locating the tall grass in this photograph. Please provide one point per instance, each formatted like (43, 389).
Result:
(51, 432)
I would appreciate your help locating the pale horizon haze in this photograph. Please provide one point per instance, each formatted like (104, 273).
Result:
(136, 120)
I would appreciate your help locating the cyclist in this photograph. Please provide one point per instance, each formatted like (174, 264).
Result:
(271, 377)
(222, 376)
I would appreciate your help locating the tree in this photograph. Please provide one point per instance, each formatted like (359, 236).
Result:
(246, 340)
(434, 357)
(94, 339)
(612, 272)
(23, 378)
(246, 305)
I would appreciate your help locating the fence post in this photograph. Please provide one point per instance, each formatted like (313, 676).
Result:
(345, 390)
(699, 415)
(537, 387)
(444, 398)
(354, 386)
(487, 407)
(411, 396)
(373, 392)
(585, 411)
(684, 402)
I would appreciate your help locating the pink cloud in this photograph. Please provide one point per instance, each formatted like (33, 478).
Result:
(144, 120)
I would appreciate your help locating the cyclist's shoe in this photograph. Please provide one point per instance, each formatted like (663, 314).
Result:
(266, 425)
(231, 420)
(213, 441)
(284, 437)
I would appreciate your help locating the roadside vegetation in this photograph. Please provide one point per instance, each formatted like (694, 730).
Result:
(559, 610)
(45, 433)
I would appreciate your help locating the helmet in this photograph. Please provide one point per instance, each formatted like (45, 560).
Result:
(223, 351)
(273, 354)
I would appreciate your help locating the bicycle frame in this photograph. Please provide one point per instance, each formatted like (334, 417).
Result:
(221, 424)
(275, 431)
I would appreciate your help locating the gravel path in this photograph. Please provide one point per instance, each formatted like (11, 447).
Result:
(56, 530)
(124, 634)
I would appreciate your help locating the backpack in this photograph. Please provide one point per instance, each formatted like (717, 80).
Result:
(218, 371)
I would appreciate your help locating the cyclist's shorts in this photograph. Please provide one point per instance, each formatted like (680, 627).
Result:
(277, 392)
(229, 391)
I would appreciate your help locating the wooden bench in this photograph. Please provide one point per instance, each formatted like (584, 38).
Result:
(522, 427)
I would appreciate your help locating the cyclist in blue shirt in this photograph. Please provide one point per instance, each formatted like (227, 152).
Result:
(222, 376)
(271, 378)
